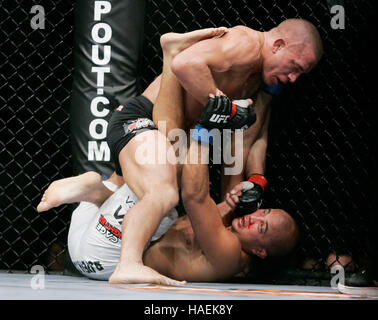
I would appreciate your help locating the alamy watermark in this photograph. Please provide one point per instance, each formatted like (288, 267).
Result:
(38, 281)
(339, 276)
(338, 19)
(227, 148)
(38, 20)
(337, 10)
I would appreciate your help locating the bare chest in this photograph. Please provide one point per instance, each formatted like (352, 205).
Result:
(238, 84)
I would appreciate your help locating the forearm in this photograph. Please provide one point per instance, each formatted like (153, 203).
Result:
(257, 153)
(256, 158)
(254, 145)
(195, 176)
(204, 214)
(221, 247)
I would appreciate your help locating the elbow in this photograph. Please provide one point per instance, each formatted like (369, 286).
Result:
(192, 195)
(182, 66)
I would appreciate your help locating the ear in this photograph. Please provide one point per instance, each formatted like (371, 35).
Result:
(278, 45)
(261, 253)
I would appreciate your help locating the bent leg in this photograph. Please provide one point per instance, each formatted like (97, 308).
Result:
(168, 111)
(153, 179)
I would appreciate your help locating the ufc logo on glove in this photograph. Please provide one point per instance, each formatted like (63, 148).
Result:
(218, 118)
(222, 113)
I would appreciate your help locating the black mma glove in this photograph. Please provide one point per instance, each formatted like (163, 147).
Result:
(251, 197)
(222, 113)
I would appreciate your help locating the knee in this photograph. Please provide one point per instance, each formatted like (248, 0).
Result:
(171, 194)
(165, 196)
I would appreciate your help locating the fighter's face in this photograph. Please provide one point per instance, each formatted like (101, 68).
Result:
(256, 230)
(286, 63)
(253, 227)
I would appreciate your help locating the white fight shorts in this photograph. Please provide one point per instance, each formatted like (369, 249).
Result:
(94, 237)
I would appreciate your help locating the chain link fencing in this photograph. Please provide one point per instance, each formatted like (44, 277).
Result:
(320, 161)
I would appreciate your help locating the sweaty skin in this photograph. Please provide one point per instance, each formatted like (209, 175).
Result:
(179, 256)
(176, 254)
(236, 80)
(236, 62)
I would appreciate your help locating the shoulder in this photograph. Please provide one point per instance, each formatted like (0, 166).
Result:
(242, 33)
(197, 267)
(243, 40)
(221, 263)
(226, 260)
(240, 29)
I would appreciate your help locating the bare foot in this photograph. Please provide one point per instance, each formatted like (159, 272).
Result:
(69, 190)
(176, 42)
(139, 273)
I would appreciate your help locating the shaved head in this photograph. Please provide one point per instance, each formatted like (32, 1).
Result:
(301, 32)
(286, 237)
(292, 48)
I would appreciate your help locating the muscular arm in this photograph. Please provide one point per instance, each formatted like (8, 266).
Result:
(255, 141)
(220, 246)
(194, 67)
(257, 152)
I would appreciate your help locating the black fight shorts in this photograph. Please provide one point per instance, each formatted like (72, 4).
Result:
(130, 118)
